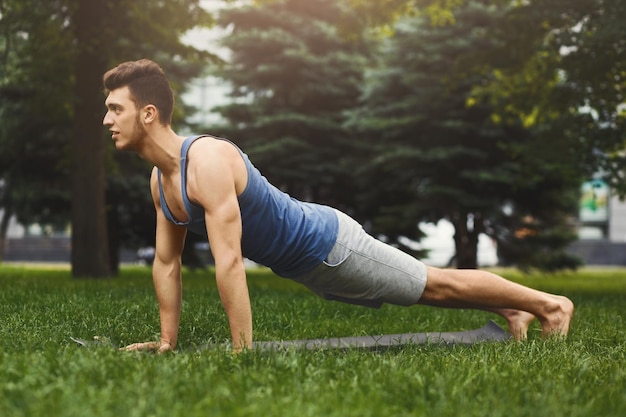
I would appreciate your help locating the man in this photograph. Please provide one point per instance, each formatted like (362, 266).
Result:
(208, 185)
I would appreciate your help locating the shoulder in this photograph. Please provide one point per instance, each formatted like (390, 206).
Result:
(214, 165)
(216, 160)
(209, 148)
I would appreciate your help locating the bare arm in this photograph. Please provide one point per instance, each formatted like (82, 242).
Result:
(213, 181)
(167, 279)
(166, 276)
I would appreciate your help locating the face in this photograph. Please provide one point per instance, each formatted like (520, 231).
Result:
(123, 119)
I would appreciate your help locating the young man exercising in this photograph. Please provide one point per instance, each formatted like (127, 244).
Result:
(208, 185)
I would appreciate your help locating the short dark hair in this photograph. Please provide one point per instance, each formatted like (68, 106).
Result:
(147, 84)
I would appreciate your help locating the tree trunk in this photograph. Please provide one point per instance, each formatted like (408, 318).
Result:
(90, 254)
(4, 227)
(466, 243)
(114, 239)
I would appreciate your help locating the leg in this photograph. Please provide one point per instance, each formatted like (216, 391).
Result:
(466, 288)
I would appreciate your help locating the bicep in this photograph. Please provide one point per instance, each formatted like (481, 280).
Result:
(218, 197)
(224, 230)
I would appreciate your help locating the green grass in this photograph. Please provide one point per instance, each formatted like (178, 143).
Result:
(43, 373)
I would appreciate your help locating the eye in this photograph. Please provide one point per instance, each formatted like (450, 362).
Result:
(115, 108)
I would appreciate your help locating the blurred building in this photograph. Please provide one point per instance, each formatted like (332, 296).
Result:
(601, 226)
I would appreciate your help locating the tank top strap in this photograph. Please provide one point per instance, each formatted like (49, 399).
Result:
(192, 210)
(164, 207)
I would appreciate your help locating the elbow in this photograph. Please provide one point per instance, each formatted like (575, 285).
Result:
(228, 262)
(162, 266)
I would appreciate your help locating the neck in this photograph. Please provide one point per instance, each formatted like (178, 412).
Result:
(162, 148)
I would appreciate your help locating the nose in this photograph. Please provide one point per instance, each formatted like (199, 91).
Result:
(107, 120)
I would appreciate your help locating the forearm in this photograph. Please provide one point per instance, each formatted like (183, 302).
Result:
(235, 298)
(168, 288)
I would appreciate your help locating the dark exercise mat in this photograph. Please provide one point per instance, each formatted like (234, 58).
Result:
(491, 332)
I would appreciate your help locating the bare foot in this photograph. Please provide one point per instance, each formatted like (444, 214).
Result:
(557, 320)
(517, 321)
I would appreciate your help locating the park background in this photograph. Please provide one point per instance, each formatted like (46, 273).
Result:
(500, 119)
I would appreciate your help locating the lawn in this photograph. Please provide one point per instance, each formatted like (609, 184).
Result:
(44, 373)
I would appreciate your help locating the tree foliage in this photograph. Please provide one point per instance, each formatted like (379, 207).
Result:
(559, 59)
(441, 155)
(293, 75)
(569, 74)
(33, 161)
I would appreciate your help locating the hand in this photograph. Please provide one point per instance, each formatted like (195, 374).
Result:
(158, 347)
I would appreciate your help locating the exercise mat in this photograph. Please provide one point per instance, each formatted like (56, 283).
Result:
(491, 332)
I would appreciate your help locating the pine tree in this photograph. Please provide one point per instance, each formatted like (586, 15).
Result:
(439, 154)
(294, 73)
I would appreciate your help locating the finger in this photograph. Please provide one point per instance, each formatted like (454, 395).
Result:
(165, 347)
(141, 346)
(129, 347)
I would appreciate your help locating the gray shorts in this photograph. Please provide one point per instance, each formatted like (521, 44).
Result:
(365, 271)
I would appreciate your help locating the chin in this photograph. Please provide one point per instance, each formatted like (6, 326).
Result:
(121, 146)
(128, 146)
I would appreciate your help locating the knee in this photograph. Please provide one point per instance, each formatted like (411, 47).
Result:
(440, 286)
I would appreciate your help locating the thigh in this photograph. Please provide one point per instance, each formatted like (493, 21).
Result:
(363, 270)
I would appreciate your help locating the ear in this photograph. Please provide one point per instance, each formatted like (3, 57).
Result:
(150, 114)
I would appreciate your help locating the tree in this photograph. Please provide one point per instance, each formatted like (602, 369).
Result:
(557, 59)
(294, 73)
(33, 162)
(90, 36)
(90, 250)
(440, 155)
(570, 74)
(139, 31)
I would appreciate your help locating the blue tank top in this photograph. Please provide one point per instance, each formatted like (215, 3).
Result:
(289, 236)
